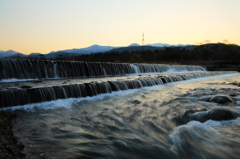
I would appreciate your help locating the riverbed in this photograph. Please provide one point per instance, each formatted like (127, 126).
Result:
(139, 123)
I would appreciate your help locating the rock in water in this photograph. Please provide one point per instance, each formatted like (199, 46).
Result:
(184, 117)
(221, 99)
(217, 114)
(199, 116)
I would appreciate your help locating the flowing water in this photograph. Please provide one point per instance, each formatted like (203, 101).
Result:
(46, 69)
(133, 124)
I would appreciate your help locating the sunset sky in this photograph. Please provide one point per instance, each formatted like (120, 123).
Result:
(43, 26)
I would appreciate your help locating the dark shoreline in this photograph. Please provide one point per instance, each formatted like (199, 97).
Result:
(221, 67)
(10, 147)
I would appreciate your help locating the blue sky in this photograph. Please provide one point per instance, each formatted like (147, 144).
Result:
(42, 26)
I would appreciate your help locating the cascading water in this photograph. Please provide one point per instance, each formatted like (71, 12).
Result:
(44, 70)
(136, 68)
(143, 123)
(34, 94)
(38, 69)
(138, 112)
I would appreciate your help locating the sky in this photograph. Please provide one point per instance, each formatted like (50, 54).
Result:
(43, 26)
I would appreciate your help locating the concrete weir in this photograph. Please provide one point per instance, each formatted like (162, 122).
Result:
(21, 93)
(45, 69)
(44, 80)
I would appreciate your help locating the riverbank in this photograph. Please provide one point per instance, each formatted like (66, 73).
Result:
(10, 147)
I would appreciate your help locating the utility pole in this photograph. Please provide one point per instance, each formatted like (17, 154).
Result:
(142, 39)
(142, 42)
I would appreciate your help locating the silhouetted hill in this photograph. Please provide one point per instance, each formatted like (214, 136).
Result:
(88, 50)
(192, 54)
(149, 48)
(214, 55)
(10, 53)
(135, 48)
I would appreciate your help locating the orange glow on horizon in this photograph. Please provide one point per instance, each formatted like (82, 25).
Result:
(45, 26)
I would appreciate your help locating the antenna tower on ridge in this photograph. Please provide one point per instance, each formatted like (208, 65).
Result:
(142, 39)
(142, 42)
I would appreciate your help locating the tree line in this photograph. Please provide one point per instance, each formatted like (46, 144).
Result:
(207, 53)
(195, 54)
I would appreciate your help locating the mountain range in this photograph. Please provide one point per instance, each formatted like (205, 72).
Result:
(88, 50)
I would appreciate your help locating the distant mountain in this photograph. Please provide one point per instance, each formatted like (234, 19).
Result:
(35, 55)
(166, 45)
(159, 45)
(134, 44)
(91, 49)
(10, 53)
(97, 48)
(151, 47)
(74, 52)
(135, 48)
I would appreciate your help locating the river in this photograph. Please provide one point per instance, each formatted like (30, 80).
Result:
(141, 123)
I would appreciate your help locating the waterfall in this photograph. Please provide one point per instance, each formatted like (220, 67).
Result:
(35, 95)
(40, 69)
(44, 69)
(135, 68)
